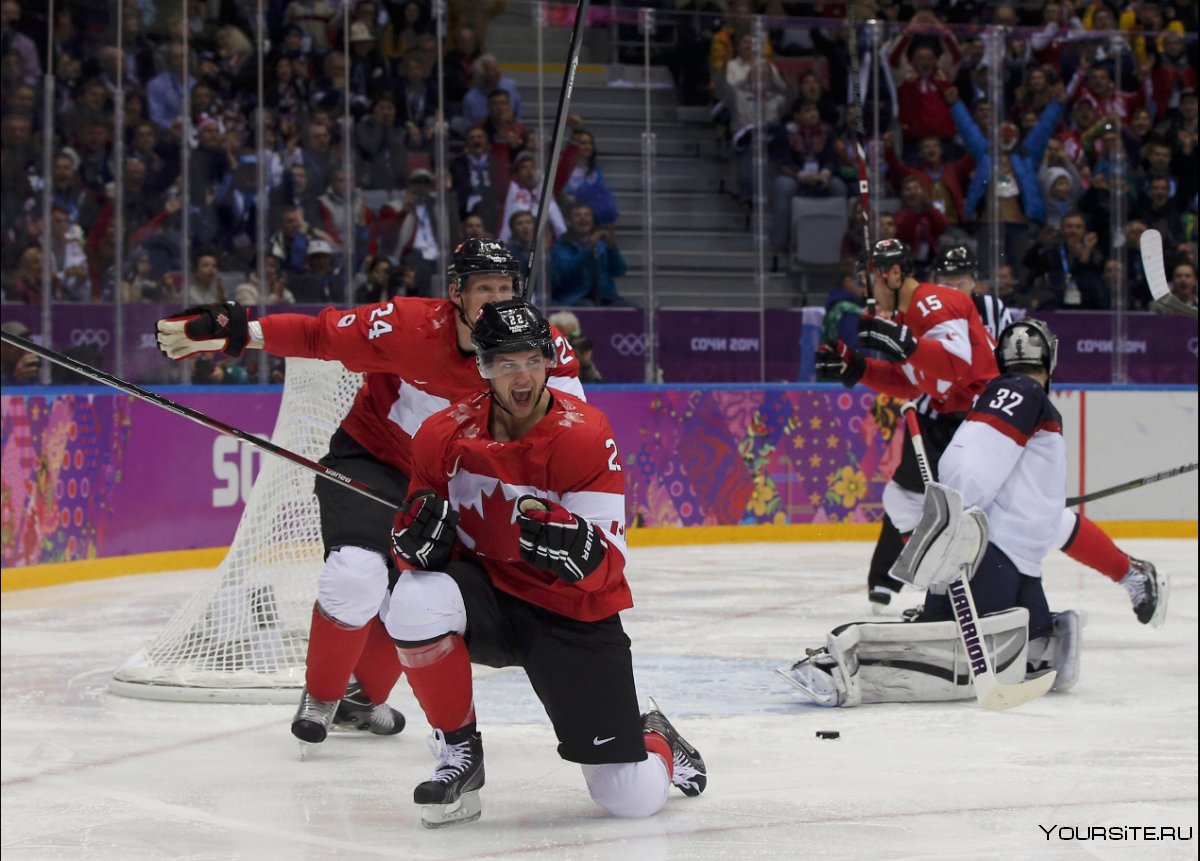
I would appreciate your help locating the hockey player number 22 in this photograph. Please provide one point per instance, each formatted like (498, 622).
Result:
(612, 457)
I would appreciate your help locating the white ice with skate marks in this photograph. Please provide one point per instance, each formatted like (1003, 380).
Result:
(95, 776)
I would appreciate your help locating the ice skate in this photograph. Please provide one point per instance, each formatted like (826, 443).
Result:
(812, 675)
(688, 771)
(1148, 592)
(312, 721)
(356, 712)
(451, 795)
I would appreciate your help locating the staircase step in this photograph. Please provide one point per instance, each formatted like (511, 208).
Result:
(708, 183)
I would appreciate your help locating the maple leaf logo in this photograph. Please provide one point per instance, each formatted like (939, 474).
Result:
(222, 320)
(491, 530)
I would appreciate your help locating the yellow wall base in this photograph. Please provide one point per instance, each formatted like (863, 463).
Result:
(34, 576)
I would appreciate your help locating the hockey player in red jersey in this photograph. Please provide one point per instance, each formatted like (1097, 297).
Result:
(514, 535)
(418, 358)
(934, 345)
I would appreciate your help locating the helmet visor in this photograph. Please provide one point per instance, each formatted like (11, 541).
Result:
(496, 364)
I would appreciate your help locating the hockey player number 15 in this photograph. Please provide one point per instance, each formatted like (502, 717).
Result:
(929, 304)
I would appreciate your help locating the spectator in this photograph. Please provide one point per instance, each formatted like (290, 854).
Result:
(408, 231)
(382, 158)
(25, 286)
(1101, 92)
(290, 243)
(920, 100)
(584, 350)
(1098, 199)
(1160, 212)
(521, 227)
(1066, 268)
(524, 193)
(286, 90)
(478, 179)
(91, 105)
(160, 171)
(459, 66)
(401, 33)
(487, 79)
(164, 93)
(919, 224)
(1060, 183)
(336, 208)
(68, 260)
(68, 192)
(585, 262)
(417, 103)
(319, 282)
(295, 191)
(376, 283)
(586, 184)
(944, 182)
(209, 372)
(741, 80)
(810, 89)
(18, 367)
(472, 228)
(844, 305)
(318, 156)
(369, 74)
(508, 137)
(567, 323)
(1183, 285)
(211, 159)
(329, 91)
(1020, 198)
(207, 286)
(314, 18)
(735, 24)
(18, 43)
(806, 159)
(142, 283)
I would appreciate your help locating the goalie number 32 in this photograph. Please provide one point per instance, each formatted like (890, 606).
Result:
(1006, 401)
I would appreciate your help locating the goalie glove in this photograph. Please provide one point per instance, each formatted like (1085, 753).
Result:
(895, 340)
(423, 532)
(835, 362)
(555, 540)
(224, 328)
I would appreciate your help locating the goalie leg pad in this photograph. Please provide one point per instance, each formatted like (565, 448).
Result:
(425, 605)
(947, 542)
(908, 662)
(352, 585)
(902, 506)
(1058, 651)
(821, 679)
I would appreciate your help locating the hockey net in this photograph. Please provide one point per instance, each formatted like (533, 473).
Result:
(243, 637)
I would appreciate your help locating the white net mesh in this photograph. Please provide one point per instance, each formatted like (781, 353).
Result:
(243, 637)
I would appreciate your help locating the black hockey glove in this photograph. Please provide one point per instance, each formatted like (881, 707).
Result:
(895, 340)
(555, 540)
(423, 532)
(221, 328)
(836, 362)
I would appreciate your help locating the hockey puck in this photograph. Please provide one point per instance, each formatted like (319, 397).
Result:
(828, 733)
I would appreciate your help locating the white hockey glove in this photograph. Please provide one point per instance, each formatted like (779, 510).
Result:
(223, 327)
(947, 544)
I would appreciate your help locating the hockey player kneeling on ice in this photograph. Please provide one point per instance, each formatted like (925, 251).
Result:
(995, 517)
(514, 543)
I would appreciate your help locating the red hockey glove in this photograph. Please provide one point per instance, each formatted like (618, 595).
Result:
(221, 328)
(835, 362)
(555, 540)
(423, 532)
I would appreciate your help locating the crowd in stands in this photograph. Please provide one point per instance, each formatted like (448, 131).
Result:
(1098, 97)
(381, 232)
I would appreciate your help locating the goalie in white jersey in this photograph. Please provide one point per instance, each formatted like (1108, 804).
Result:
(1007, 460)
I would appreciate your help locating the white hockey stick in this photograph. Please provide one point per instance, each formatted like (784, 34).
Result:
(1156, 275)
(988, 691)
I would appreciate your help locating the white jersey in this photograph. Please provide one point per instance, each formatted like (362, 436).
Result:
(1009, 459)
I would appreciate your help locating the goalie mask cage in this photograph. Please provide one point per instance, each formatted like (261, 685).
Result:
(244, 636)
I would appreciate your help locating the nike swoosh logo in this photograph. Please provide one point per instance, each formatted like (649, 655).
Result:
(599, 741)
(454, 469)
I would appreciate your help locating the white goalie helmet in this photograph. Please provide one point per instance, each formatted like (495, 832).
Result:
(1027, 342)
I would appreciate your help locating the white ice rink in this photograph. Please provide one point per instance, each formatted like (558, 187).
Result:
(89, 775)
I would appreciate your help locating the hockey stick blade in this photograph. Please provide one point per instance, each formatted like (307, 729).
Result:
(86, 370)
(1000, 697)
(1153, 265)
(1131, 485)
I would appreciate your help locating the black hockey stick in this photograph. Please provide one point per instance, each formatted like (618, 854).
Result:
(560, 123)
(988, 691)
(1131, 485)
(864, 182)
(198, 417)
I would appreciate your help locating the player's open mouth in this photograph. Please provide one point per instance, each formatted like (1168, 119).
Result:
(522, 397)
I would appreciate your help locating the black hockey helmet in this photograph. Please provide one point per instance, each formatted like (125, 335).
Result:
(474, 256)
(956, 260)
(889, 252)
(1027, 342)
(512, 326)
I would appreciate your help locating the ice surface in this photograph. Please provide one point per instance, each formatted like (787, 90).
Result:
(90, 775)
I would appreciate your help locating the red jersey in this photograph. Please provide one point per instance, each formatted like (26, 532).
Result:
(409, 350)
(569, 457)
(953, 360)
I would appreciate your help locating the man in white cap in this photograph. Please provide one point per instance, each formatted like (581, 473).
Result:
(320, 283)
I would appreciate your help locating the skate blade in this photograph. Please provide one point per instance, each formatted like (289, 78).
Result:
(1164, 594)
(307, 749)
(467, 809)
